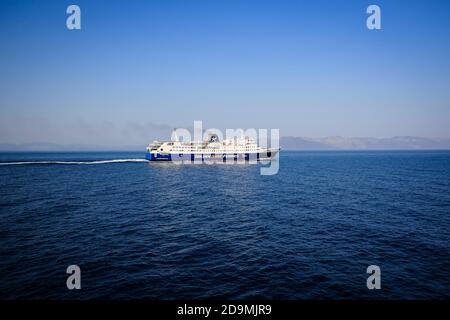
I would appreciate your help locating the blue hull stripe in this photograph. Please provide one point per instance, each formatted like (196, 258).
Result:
(205, 157)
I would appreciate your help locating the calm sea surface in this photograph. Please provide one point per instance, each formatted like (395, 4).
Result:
(165, 231)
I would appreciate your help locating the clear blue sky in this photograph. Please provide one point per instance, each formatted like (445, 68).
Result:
(136, 68)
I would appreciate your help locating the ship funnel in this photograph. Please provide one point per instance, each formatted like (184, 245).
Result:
(212, 137)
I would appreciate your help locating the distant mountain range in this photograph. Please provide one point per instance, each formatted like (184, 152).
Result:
(343, 143)
(287, 143)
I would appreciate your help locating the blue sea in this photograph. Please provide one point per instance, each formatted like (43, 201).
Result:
(164, 231)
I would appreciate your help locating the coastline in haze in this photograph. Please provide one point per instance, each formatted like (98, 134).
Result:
(286, 143)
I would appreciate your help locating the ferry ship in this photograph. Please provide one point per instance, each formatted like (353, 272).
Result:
(243, 149)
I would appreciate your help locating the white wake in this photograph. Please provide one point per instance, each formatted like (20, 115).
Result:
(71, 162)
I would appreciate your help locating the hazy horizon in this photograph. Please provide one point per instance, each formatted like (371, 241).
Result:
(135, 134)
(286, 143)
(137, 70)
